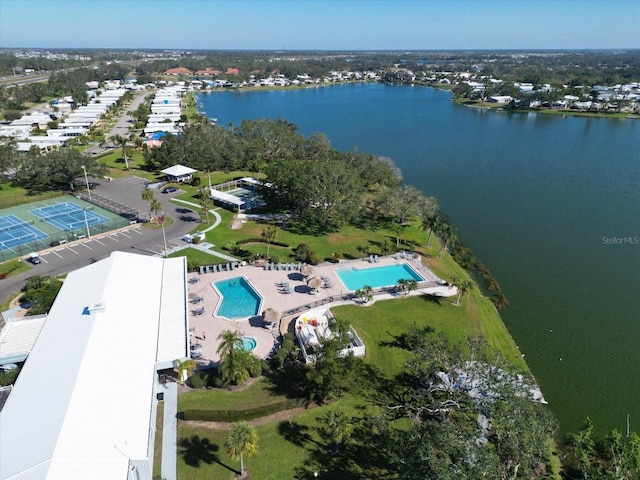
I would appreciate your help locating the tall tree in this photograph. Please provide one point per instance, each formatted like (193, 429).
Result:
(337, 426)
(204, 195)
(147, 195)
(235, 362)
(155, 206)
(463, 287)
(183, 368)
(121, 142)
(242, 440)
(269, 236)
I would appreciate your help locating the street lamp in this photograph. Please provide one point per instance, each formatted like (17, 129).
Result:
(161, 219)
(86, 222)
(86, 179)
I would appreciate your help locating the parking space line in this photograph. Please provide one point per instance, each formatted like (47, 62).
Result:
(84, 244)
(137, 230)
(56, 253)
(95, 239)
(122, 233)
(114, 239)
(69, 248)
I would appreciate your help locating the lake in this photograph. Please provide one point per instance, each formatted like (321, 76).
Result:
(550, 203)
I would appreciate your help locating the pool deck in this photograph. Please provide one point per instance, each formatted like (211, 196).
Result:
(207, 327)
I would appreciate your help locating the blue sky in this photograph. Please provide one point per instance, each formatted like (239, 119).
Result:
(321, 24)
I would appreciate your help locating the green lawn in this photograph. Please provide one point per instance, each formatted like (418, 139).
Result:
(256, 394)
(13, 267)
(198, 257)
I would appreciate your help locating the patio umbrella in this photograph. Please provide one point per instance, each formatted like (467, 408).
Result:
(315, 282)
(270, 315)
(307, 270)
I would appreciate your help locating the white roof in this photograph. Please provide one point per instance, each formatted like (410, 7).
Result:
(178, 171)
(18, 336)
(226, 197)
(81, 407)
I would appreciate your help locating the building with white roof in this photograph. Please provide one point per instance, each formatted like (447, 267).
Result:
(84, 404)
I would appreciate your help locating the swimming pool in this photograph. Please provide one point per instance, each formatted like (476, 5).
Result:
(239, 300)
(383, 276)
(247, 343)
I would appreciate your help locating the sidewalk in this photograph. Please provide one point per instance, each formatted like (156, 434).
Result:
(169, 431)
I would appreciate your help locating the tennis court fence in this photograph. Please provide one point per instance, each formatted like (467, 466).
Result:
(60, 238)
(129, 213)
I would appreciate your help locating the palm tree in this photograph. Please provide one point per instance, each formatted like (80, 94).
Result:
(365, 294)
(447, 235)
(402, 284)
(412, 285)
(235, 363)
(147, 195)
(269, 235)
(337, 426)
(155, 206)
(228, 342)
(242, 440)
(181, 367)
(122, 143)
(385, 247)
(364, 249)
(430, 222)
(205, 200)
(463, 287)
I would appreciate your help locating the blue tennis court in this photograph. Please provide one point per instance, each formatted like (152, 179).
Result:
(68, 216)
(14, 232)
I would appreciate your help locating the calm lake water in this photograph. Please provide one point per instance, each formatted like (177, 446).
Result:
(536, 197)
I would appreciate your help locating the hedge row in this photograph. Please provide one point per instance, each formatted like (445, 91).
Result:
(261, 240)
(237, 415)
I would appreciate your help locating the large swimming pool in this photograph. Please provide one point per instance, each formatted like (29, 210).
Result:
(383, 276)
(239, 300)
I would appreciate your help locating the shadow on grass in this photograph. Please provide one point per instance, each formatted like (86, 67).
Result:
(290, 381)
(295, 433)
(432, 299)
(197, 451)
(362, 456)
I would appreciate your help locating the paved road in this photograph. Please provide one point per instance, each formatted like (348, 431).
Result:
(135, 239)
(122, 125)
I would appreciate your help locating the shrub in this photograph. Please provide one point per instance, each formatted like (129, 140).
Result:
(287, 345)
(199, 379)
(192, 266)
(11, 115)
(276, 361)
(196, 181)
(290, 336)
(9, 377)
(238, 415)
(313, 259)
(266, 368)
(255, 370)
(275, 259)
(195, 240)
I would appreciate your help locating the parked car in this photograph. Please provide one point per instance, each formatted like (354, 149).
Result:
(170, 190)
(34, 258)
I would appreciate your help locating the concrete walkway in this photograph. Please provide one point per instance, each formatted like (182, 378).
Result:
(169, 431)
